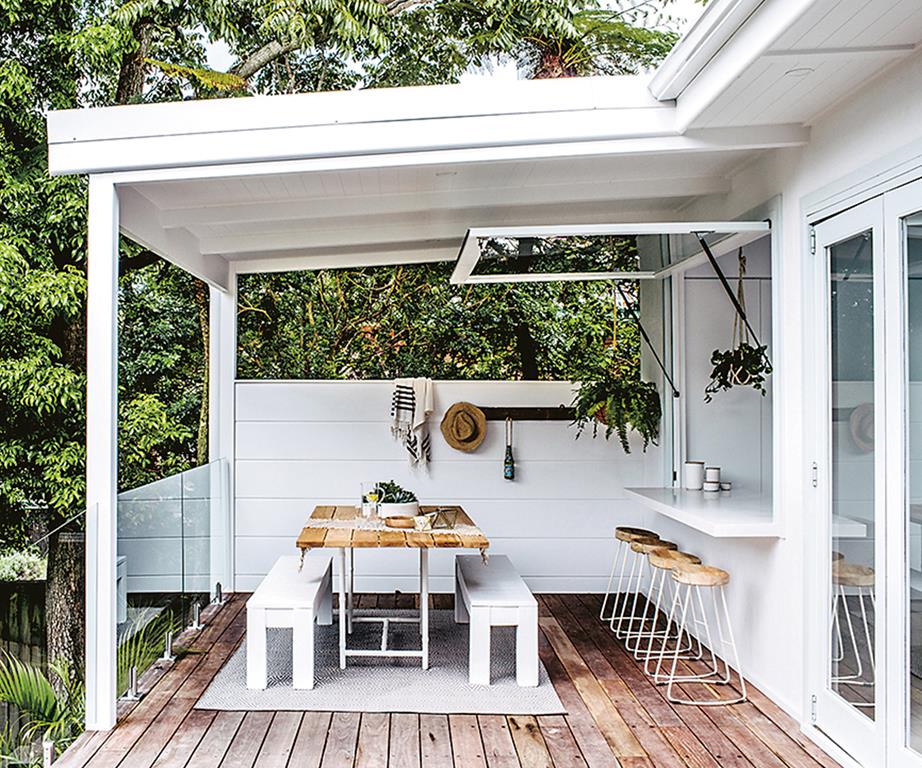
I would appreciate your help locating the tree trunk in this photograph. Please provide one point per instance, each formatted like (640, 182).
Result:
(133, 68)
(65, 603)
(202, 302)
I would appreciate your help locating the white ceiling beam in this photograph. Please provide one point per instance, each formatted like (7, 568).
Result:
(813, 56)
(609, 189)
(138, 221)
(306, 259)
(446, 225)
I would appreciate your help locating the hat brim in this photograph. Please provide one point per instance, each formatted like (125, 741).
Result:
(476, 416)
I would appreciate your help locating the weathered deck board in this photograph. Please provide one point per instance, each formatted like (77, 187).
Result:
(613, 708)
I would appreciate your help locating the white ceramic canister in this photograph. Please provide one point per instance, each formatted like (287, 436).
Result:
(712, 474)
(711, 486)
(694, 475)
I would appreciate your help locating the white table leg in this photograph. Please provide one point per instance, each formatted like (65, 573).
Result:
(351, 596)
(424, 603)
(461, 616)
(342, 608)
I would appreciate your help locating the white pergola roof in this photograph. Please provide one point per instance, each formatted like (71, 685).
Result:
(399, 175)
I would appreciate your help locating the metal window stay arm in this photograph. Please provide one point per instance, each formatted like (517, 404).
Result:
(729, 291)
(646, 338)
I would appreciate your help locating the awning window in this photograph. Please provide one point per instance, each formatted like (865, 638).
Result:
(646, 251)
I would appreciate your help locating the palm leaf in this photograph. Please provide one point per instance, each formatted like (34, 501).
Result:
(207, 78)
(27, 689)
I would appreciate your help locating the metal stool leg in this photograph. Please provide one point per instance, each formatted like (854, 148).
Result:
(620, 555)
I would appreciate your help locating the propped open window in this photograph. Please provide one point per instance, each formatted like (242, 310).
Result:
(644, 251)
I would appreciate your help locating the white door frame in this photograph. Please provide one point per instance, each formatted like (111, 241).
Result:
(857, 734)
(898, 204)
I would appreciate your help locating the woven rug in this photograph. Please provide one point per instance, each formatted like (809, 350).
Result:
(386, 685)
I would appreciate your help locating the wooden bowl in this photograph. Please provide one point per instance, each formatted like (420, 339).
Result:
(399, 521)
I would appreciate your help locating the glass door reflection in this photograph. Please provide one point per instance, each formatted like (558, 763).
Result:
(912, 248)
(852, 663)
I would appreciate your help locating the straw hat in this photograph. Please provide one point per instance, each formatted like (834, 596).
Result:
(464, 427)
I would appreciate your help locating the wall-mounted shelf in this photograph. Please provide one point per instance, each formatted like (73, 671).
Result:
(528, 413)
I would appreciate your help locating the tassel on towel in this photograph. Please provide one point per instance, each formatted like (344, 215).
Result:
(411, 405)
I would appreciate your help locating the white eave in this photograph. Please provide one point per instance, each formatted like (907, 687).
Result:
(768, 62)
(455, 123)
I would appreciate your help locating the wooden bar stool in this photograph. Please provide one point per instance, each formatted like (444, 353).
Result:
(635, 628)
(624, 535)
(860, 580)
(694, 580)
(662, 561)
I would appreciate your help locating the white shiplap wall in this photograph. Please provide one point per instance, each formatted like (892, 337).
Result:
(301, 443)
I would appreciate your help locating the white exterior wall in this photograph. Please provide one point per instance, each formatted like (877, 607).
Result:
(768, 576)
(302, 443)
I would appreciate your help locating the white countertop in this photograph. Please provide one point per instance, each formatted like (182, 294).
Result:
(737, 514)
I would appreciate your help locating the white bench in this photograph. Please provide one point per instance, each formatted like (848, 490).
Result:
(289, 597)
(490, 595)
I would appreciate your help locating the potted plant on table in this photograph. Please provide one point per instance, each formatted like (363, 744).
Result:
(394, 501)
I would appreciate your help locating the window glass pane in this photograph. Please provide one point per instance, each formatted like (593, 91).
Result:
(852, 574)
(913, 251)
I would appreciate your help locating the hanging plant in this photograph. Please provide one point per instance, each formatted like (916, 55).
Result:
(612, 396)
(619, 406)
(744, 364)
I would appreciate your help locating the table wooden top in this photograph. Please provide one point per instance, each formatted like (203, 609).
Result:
(344, 527)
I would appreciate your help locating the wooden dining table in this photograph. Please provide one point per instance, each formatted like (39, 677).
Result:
(344, 528)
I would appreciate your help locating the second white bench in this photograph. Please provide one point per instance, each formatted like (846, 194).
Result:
(490, 595)
(289, 597)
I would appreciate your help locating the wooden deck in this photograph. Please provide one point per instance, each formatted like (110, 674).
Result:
(615, 716)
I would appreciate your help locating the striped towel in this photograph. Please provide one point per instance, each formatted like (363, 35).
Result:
(411, 405)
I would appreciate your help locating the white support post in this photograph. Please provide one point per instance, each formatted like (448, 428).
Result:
(222, 365)
(101, 453)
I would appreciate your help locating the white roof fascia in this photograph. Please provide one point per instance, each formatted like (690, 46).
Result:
(373, 105)
(712, 30)
(696, 83)
(357, 139)
(352, 122)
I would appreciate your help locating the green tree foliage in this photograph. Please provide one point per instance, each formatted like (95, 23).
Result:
(70, 53)
(384, 322)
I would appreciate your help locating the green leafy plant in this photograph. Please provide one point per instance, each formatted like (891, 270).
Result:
(612, 395)
(142, 643)
(744, 366)
(22, 565)
(390, 492)
(42, 712)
